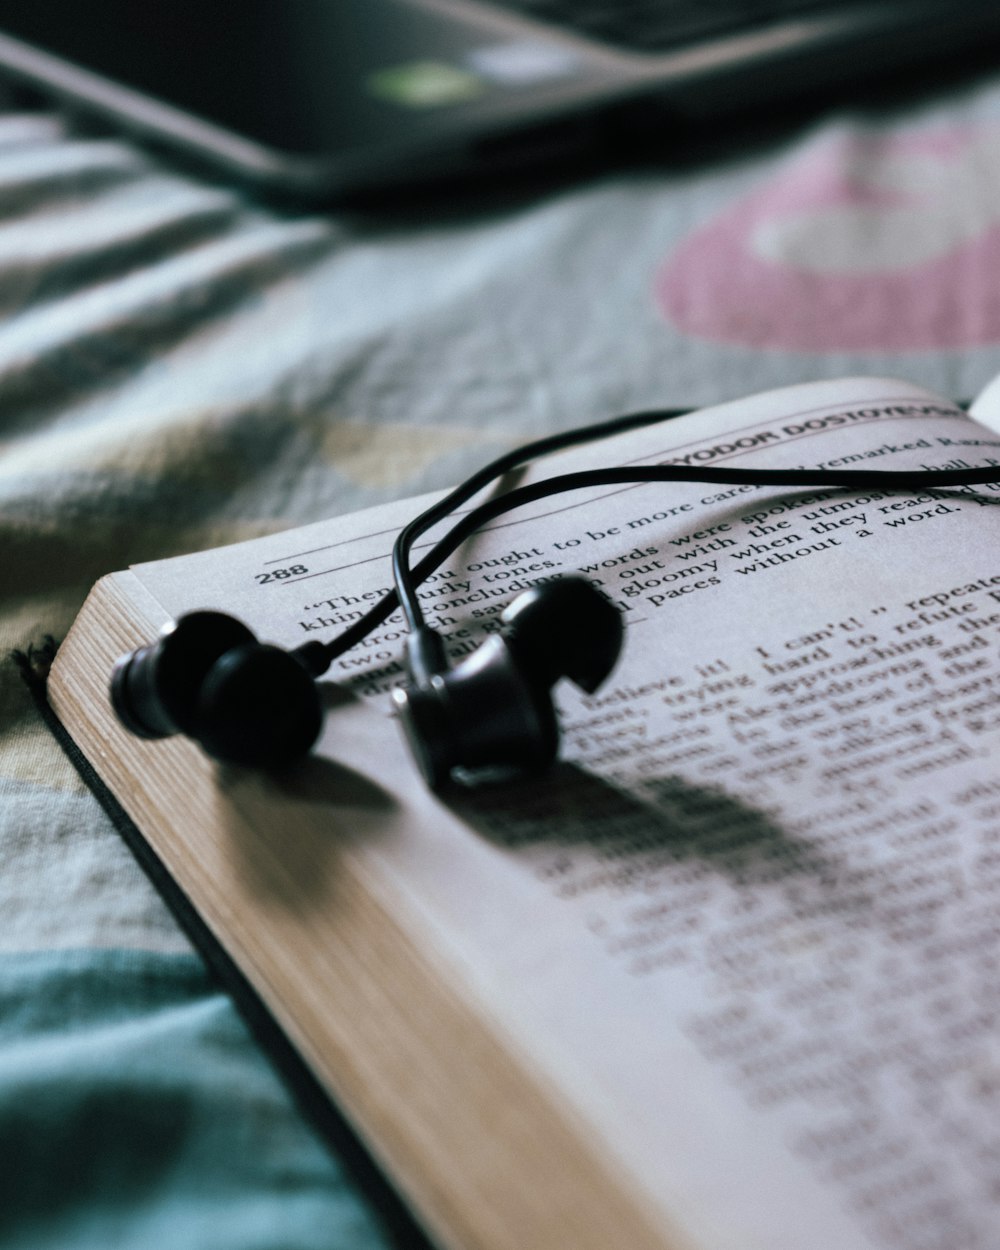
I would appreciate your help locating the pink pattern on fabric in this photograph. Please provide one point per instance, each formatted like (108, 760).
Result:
(869, 243)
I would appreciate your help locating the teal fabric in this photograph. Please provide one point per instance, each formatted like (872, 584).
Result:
(135, 1112)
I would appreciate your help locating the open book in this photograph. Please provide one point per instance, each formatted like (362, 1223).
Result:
(727, 978)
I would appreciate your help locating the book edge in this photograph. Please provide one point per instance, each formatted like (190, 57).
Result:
(594, 1203)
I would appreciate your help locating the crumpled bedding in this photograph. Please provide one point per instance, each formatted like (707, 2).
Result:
(180, 367)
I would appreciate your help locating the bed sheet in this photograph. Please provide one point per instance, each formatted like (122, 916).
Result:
(181, 368)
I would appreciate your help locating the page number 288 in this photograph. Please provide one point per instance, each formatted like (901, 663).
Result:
(280, 575)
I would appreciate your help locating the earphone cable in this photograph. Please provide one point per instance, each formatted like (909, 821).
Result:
(409, 579)
(319, 655)
(406, 580)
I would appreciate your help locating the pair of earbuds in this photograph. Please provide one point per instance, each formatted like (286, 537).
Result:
(252, 704)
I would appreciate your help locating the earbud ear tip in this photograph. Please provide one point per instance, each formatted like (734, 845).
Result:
(259, 708)
(565, 628)
(154, 689)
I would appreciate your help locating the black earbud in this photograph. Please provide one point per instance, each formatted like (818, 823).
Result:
(494, 713)
(249, 703)
(207, 676)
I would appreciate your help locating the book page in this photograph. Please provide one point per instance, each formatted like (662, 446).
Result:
(751, 919)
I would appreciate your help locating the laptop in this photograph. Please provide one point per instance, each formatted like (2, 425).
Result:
(325, 99)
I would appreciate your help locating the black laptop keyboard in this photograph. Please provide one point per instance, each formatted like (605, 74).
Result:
(658, 25)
